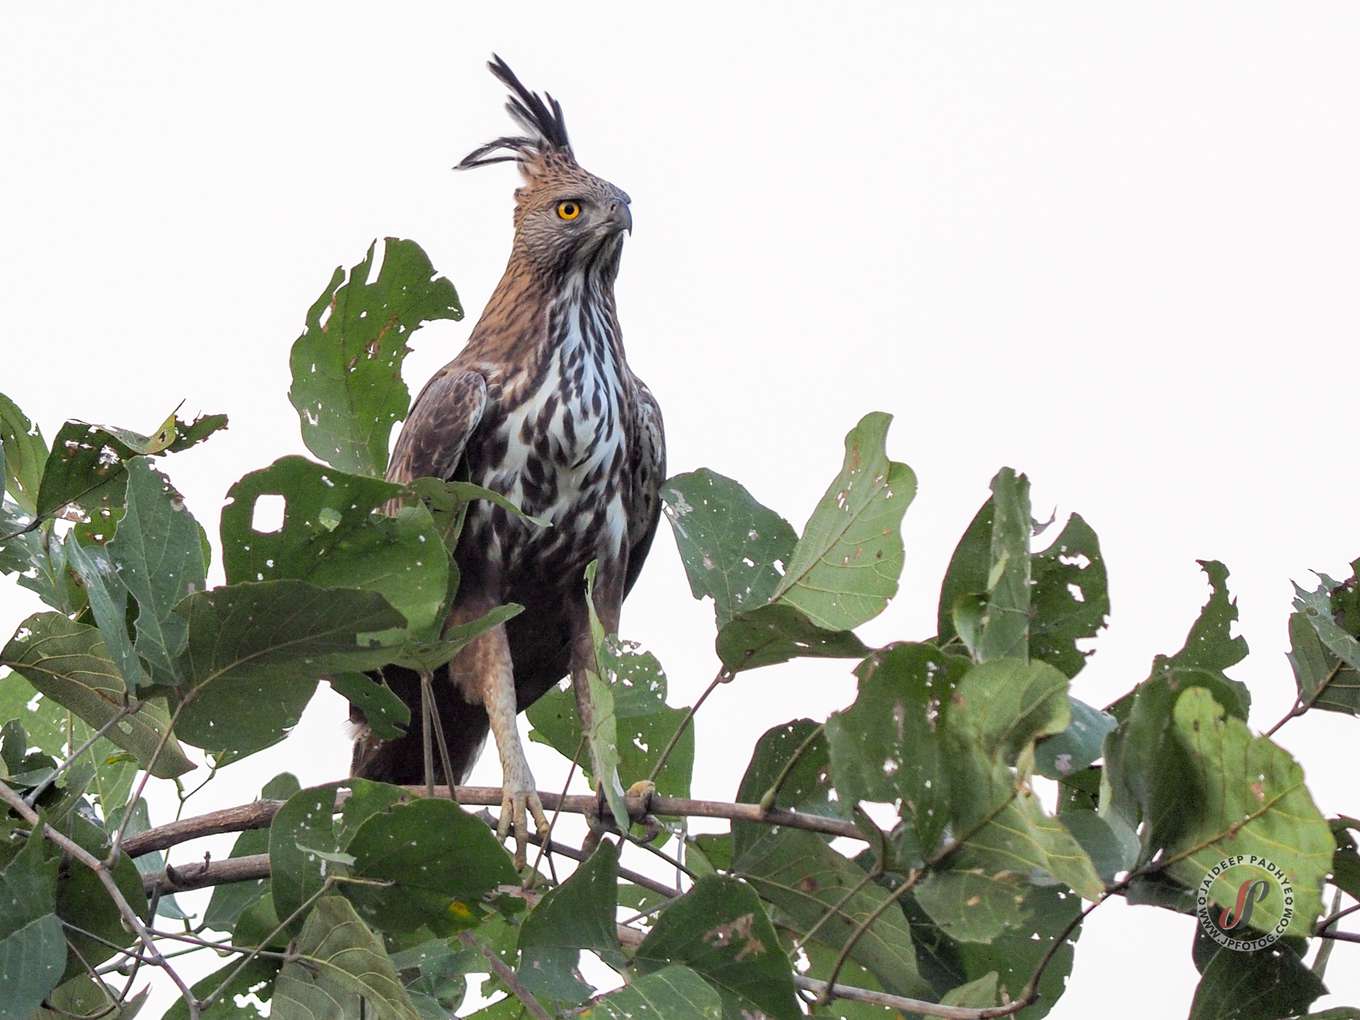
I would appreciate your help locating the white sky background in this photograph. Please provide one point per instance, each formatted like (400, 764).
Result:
(1115, 249)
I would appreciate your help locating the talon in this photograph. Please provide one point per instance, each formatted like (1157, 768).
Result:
(644, 790)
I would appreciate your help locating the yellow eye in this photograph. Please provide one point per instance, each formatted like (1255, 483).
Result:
(568, 210)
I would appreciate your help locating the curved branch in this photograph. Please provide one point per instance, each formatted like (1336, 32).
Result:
(259, 814)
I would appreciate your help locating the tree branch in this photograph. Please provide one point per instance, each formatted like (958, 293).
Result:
(259, 814)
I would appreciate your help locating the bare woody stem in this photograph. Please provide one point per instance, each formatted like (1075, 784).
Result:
(507, 975)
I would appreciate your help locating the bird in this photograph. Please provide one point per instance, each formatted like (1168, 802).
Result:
(541, 406)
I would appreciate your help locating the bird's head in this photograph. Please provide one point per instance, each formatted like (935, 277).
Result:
(565, 216)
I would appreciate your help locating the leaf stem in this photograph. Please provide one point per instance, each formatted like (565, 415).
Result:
(722, 677)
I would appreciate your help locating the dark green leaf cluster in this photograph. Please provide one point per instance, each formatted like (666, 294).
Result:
(987, 799)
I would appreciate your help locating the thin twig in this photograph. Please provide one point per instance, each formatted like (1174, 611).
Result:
(543, 847)
(105, 876)
(507, 975)
(722, 677)
(1302, 705)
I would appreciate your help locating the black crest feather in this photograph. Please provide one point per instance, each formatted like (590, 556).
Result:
(539, 116)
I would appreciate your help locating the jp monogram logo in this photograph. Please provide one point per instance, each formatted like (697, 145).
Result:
(1262, 902)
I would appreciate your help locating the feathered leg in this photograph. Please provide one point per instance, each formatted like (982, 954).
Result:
(485, 667)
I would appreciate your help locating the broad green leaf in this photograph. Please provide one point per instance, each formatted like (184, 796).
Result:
(1252, 801)
(1263, 985)
(433, 974)
(671, 993)
(308, 833)
(38, 556)
(231, 899)
(998, 710)
(81, 997)
(433, 654)
(346, 365)
(807, 787)
(439, 859)
(338, 961)
(387, 715)
(967, 572)
(1015, 955)
(85, 467)
(720, 930)
(885, 747)
(777, 633)
(1003, 629)
(733, 548)
(158, 552)
(975, 994)
(268, 643)
(975, 904)
(445, 492)
(256, 979)
(845, 566)
(108, 598)
(1077, 746)
(577, 915)
(23, 455)
(67, 661)
(1210, 644)
(32, 946)
(1069, 600)
(1325, 652)
(815, 887)
(335, 534)
(645, 722)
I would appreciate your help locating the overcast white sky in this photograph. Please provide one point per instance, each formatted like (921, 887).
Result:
(1114, 247)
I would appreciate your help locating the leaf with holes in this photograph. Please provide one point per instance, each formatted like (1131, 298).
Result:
(671, 993)
(68, 662)
(971, 903)
(346, 365)
(269, 643)
(1069, 600)
(777, 633)
(733, 548)
(334, 535)
(1252, 801)
(1325, 651)
(720, 930)
(845, 566)
(645, 723)
(577, 915)
(818, 891)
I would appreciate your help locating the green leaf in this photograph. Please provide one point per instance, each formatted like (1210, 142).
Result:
(433, 973)
(1077, 746)
(1325, 652)
(81, 997)
(108, 598)
(158, 552)
(338, 961)
(67, 661)
(23, 454)
(807, 880)
(1003, 628)
(1252, 801)
(777, 633)
(1210, 644)
(268, 643)
(807, 787)
(256, 979)
(998, 710)
(671, 993)
(602, 740)
(32, 946)
(434, 654)
(387, 715)
(975, 904)
(1069, 600)
(976, 994)
(577, 915)
(346, 365)
(720, 930)
(445, 493)
(885, 746)
(1263, 985)
(38, 557)
(231, 899)
(439, 859)
(306, 834)
(845, 566)
(733, 548)
(334, 534)
(644, 721)
(85, 468)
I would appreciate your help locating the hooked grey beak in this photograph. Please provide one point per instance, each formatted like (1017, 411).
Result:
(621, 217)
